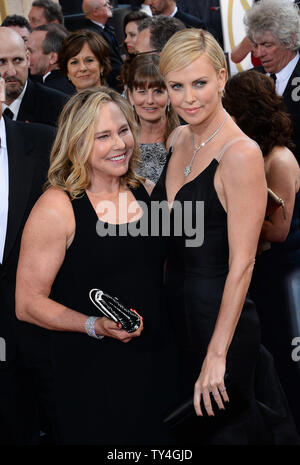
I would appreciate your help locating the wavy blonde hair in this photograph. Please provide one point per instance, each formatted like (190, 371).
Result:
(186, 46)
(75, 138)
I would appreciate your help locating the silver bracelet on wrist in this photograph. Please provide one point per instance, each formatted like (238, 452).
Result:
(90, 327)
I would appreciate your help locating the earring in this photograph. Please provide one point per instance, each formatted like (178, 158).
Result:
(221, 92)
(167, 108)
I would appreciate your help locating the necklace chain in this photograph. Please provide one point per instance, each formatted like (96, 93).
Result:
(188, 167)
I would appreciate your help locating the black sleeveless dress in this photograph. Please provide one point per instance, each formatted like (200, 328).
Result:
(195, 283)
(106, 391)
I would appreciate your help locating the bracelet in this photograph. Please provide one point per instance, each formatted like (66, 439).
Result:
(90, 327)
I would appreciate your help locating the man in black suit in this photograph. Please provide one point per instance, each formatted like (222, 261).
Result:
(25, 100)
(97, 13)
(278, 52)
(24, 160)
(169, 8)
(44, 45)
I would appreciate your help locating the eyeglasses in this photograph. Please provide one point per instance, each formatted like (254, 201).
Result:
(107, 4)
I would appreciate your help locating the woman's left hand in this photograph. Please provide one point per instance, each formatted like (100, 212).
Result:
(211, 382)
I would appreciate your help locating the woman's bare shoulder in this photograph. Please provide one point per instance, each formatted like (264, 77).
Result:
(241, 150)
(283, 156)
(177, 135)
(53, 204)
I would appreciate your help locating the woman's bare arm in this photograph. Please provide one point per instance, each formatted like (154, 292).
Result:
(282, 172)
(245, 194)
(47, 234)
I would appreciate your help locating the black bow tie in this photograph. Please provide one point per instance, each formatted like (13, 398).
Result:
(7, 112)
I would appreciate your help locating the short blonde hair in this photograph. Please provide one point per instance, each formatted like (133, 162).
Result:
(186, 46)
(75, 138)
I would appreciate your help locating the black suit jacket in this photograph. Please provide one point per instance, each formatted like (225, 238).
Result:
(28, 147)
(114, 52)
(189, 20)
(291, 98)
(58, 81)
(41, 104)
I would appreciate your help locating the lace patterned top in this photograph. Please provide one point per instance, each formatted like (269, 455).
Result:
(153, 159)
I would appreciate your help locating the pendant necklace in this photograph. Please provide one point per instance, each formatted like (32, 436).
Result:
(188, 167)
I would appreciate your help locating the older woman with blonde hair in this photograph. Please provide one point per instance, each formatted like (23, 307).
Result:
(82, 236)
(215, 172)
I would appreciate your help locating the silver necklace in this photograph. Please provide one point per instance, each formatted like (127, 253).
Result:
(188, 167)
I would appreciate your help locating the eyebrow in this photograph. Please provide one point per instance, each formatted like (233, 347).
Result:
(108, 131)
(195, 80)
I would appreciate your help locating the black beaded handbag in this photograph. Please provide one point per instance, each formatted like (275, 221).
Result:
(115, 310)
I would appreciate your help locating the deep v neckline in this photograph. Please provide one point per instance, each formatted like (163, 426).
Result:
(187, 183)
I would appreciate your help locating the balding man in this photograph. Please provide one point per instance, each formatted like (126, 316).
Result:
(25, 100)
(19, 24)
(169, 8)
(97, 13)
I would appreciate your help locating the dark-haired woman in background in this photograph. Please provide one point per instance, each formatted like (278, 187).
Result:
(148, 95)
(251, 99)
(84, 59)
(130, 25)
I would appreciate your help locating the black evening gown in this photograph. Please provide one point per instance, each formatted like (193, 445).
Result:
(195, 282)
(106, 391)
(276, 273)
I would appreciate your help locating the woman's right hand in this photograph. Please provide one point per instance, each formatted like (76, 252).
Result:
(110, 328)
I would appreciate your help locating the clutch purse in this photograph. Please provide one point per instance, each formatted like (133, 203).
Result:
(274, 202)
(113, 309)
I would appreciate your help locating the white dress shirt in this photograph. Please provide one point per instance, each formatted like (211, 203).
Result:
(15, 105)
(98, 24)
(3, 187)
(283, 76)
(174, 12)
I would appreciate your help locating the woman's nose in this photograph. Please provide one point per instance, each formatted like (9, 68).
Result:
(118, 142)
(189, 95)
(149, 98)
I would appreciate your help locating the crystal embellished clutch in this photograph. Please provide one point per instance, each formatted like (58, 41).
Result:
(113, 309)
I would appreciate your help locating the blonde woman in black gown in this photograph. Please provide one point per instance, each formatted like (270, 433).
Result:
(103, 391)
(212, 161)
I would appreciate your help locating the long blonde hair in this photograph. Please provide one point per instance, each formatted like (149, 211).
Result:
(186, 46)
(75, 138)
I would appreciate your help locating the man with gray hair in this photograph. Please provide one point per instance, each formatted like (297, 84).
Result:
(273, 26)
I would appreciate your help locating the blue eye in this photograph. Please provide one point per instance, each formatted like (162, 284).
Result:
(200, 83)
(176, 86)
(102, 137)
